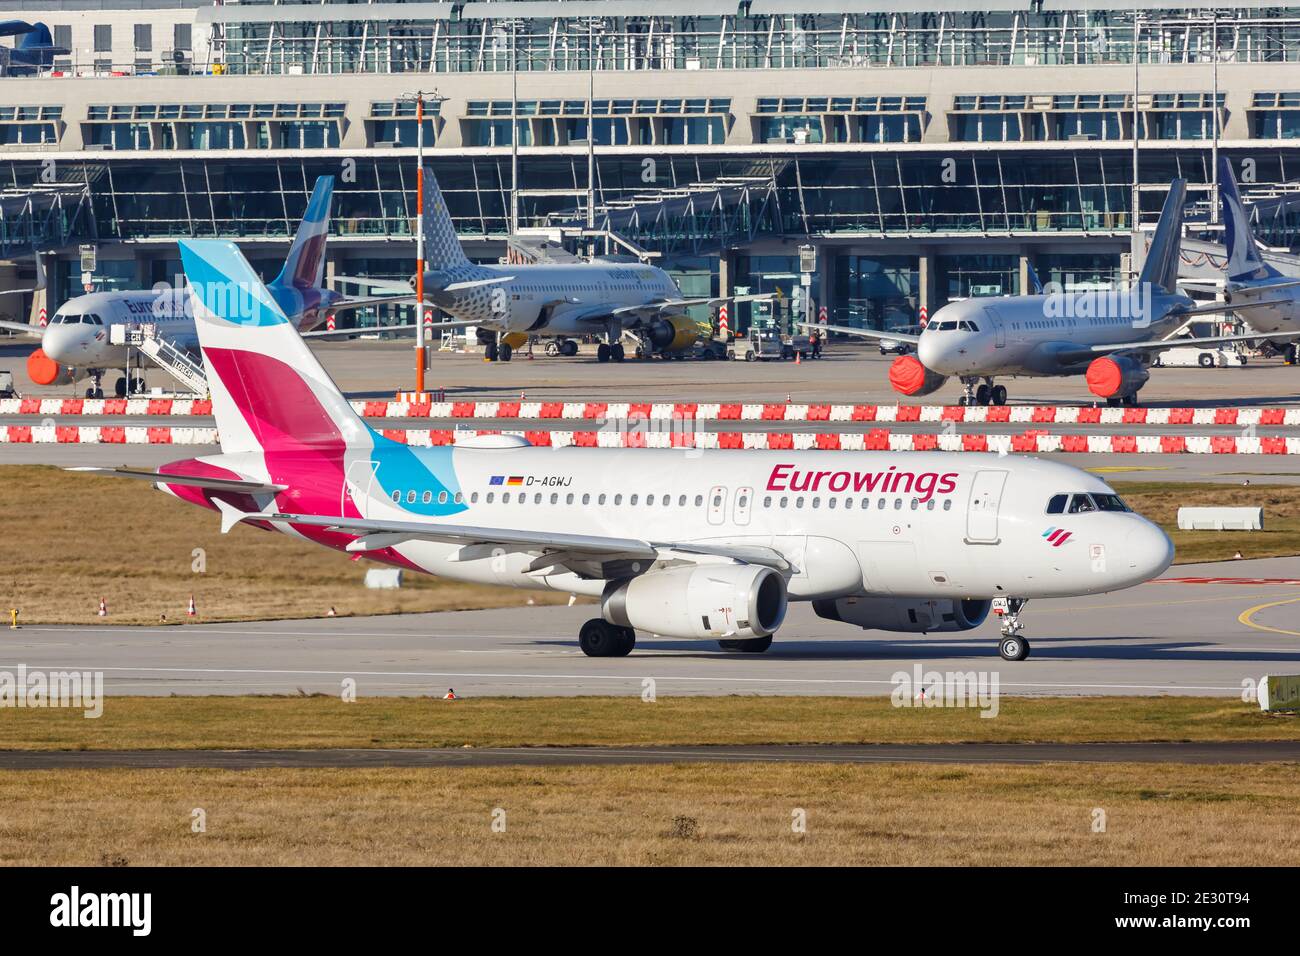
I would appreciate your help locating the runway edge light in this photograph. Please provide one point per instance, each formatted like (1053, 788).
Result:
(1279, 692)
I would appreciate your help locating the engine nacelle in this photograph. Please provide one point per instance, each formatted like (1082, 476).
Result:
(674, 333)
(734, 601)
(1116, 376)
(908, 376)
(910, 615)
(43, 370)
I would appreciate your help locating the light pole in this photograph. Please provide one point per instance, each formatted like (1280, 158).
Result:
(419, 96)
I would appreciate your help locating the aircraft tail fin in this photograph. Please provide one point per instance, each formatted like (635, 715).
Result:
(304, 267)
(442, 248)
(37, 38)
(1244, 261)
(1161, 266)
(269, 392)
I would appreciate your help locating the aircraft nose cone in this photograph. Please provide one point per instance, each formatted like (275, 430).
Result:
(62, 343)
(1148, 551)
(933, 354)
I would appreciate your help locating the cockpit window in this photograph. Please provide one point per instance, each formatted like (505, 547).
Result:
(92, 320)
(1080, 504)
(1056, 504)
(968, 326)
(66, 320)
(1110, 503)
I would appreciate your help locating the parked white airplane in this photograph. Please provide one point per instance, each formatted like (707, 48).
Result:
(1264, 297)
(564, 300)
(77, 342)
(681, 544)
(1110, 337)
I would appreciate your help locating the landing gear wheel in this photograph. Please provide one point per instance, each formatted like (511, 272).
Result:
(553, 349)
(569, 348)
(982, 395)
(137, 385)
(93, 392)
(616, 352)
(490, 352)
(1014, 648)
(119, 388)
(599, 638)
(998, 394)
(504, 352)
(602, 352)
(753, 645)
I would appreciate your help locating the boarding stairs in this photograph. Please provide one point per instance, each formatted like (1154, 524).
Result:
(172, 360)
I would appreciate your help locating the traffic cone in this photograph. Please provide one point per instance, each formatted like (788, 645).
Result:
(103, 608)
(191, 611)
(798, 358)
(450, 695)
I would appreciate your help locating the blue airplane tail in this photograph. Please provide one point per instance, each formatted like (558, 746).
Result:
(1161, 266)
(37, 38)
(1244, 261)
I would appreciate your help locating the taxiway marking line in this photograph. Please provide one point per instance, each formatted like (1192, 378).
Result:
(1246, 617)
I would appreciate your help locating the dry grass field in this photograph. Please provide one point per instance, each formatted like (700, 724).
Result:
(69, 539)
(316, 722)
(890, 814)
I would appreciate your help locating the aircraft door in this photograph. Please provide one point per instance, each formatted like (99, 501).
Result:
(999, 329)
(982, 510)
(357, 485)
(717, 504)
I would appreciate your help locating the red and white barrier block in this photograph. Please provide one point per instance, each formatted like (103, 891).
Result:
(105, 406)
(799, 412)
(106, 435)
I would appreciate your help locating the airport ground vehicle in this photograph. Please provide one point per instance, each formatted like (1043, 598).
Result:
(7, 384)
(1183, 357)
(705, 547)
(899, 346)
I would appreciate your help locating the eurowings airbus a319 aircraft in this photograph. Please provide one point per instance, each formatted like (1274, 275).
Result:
(673, 542)
(1108, 336)
(77, 342)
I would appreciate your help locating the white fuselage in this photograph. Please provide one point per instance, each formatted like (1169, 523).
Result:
(565, 299)
(1034, 335)
(924, 524)
(78, 335)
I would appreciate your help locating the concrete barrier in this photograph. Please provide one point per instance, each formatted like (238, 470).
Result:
(1220, 519)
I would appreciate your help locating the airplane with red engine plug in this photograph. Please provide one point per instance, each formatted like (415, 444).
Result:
(1111, 337)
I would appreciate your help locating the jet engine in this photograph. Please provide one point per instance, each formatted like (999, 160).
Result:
(674, 333)
(910, 377)
(43, 370)
(1116, 376)
(733, 601)
(911, 615)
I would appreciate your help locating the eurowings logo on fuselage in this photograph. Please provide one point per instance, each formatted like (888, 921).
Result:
(1056, 536)
(926, 484)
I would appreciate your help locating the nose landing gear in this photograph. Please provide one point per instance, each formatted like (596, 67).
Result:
(96, 387)
(1012, 647)
(982, 393)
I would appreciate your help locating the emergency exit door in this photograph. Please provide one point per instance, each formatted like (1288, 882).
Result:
(982, 509)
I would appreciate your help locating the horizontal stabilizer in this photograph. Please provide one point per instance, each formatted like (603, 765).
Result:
(190, 481)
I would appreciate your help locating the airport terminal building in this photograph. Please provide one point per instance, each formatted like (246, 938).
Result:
(926, 150)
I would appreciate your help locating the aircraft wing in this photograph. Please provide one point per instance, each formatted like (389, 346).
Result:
(864, 333)
(22, 328)
(1160, 345)
(372, 329)
(192, 481)
(579, 552)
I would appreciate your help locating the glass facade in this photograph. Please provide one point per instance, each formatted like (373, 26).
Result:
(876, 292)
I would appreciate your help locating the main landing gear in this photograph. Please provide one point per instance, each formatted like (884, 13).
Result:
(599, 638)
(609, 353)
(497, 351)
(982, 393)
(1012, 647)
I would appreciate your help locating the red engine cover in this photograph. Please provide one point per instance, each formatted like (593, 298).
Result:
(909, 377)
(42, 369)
